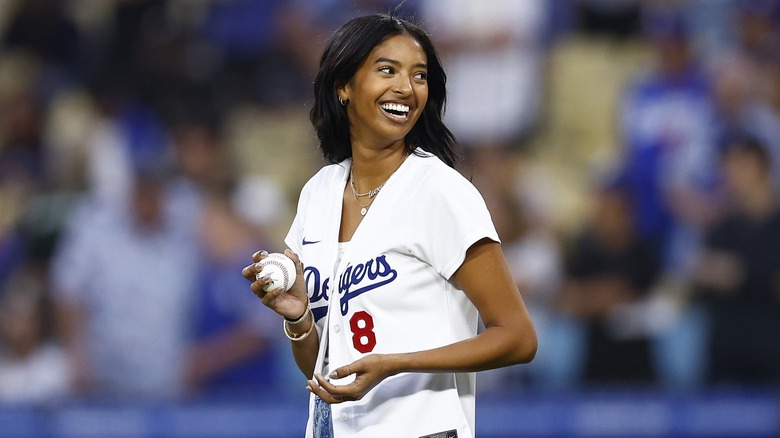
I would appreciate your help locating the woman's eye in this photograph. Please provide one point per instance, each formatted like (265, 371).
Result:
(387, 70)
(421, 76)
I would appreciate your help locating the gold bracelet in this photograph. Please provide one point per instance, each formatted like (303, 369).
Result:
(302, 317)
(293, 337)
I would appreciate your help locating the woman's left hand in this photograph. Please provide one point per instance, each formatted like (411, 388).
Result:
(368, 371)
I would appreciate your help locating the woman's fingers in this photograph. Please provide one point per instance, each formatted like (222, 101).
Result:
(278, 299)
(321, 393)
(257, 288)
(259, 255)
(341, 372)
(297, 260)
(251, 273)
(269, 297)
(327, 392)
(334, 393)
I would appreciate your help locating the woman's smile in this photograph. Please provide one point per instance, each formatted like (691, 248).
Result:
(396, 111)
(388, 92)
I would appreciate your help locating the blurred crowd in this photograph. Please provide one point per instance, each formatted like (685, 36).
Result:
(629, 153)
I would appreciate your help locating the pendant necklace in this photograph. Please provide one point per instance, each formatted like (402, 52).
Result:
(363, 208)
(371, 193)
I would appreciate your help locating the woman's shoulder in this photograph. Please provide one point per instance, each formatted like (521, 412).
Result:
(326, 176)
(434, 172)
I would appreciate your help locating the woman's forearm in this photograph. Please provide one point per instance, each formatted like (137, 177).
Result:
(305, 350)
(496, 347)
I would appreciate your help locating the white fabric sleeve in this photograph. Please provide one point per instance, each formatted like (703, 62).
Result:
(453, 217)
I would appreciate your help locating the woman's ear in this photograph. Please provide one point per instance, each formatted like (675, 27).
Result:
(342, 92)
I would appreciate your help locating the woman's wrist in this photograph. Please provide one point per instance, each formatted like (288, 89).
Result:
(299, 335)
(301, 318)
(397, 363)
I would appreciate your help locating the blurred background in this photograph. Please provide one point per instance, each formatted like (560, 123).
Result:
(628, 150)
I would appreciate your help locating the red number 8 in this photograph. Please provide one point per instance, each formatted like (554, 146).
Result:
(363, 337)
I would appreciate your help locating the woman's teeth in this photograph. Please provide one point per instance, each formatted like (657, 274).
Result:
(397, 109)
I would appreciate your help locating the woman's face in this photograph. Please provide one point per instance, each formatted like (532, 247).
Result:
(388, 92)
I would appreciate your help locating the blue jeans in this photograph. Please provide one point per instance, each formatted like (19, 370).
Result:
(323, 424)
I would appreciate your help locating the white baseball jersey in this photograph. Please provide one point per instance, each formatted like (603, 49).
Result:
(391, 292)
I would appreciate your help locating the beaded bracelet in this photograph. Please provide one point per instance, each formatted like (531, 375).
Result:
(294, 338)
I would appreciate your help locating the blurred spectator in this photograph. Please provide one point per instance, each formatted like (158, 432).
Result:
(535, 258)
(21, 150)
(309, 24)
(22, 157)
(757, 24)
(43, 29)
(610, 275)
(618, 18)
(236, 340)
(738, 275)
(33, 367)
(258, 63)
(494, 58)
(126, 133)
(201, 165)
(669, 154)
(144, 55)
(12, 250)
(745, 70)
(122, 279)
(740, 109)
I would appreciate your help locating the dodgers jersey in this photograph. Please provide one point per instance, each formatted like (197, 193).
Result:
(391, 292)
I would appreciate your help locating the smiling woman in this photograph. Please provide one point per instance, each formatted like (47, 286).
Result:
(348, 51)
(396, 253)
(386, 96)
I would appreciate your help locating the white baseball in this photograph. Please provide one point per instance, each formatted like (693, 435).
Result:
(281, 270)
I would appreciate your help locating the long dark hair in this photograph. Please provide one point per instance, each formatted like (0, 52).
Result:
(342, 57)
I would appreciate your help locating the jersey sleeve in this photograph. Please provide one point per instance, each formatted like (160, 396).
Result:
(452, 216)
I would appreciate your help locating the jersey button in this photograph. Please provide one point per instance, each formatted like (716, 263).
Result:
(343, 416)
(337, 328)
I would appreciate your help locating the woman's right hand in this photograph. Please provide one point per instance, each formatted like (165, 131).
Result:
(290, 304)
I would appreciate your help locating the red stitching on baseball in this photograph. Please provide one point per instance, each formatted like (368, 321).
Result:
(284, 270)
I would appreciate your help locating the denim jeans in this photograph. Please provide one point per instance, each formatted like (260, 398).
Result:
(323, 424)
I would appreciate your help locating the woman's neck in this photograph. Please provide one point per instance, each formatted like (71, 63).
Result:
(372, 167)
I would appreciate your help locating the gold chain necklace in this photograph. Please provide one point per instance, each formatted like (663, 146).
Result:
(370, 193)
(363, 208)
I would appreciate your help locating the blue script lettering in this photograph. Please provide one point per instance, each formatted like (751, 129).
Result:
(354, 276)
(318, 290)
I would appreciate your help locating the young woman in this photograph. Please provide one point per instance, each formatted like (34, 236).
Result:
(401, 254)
